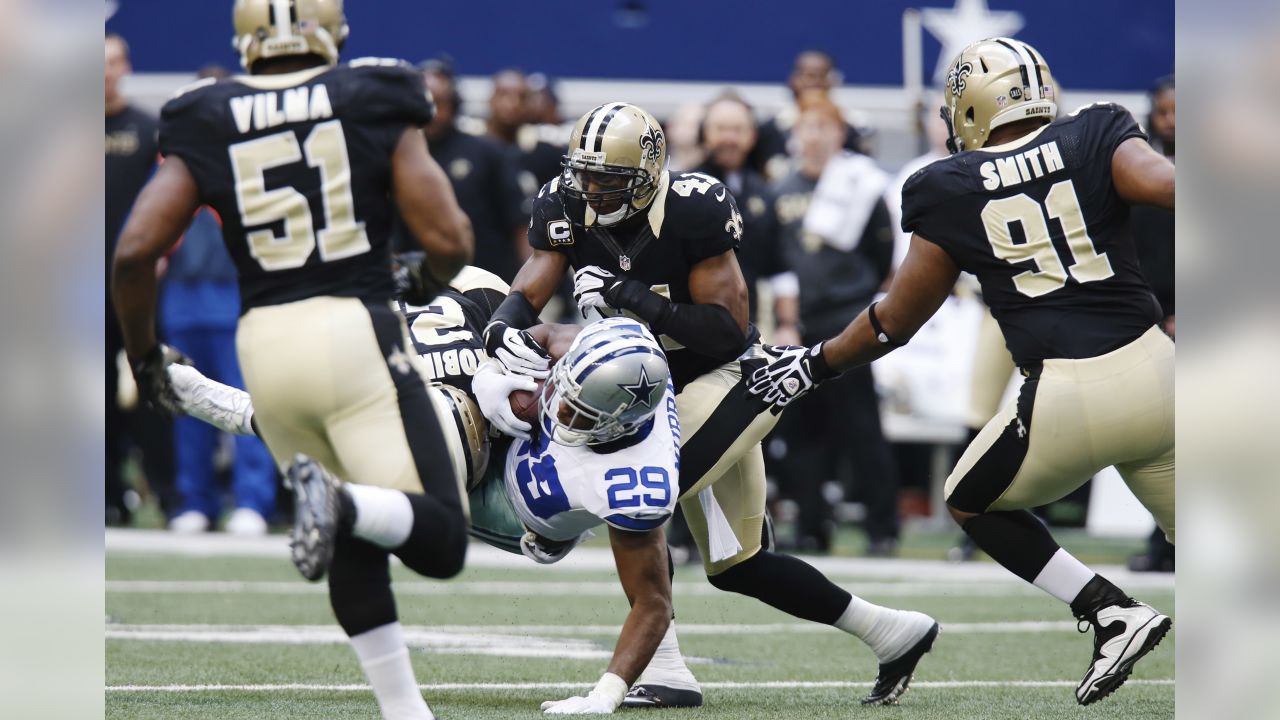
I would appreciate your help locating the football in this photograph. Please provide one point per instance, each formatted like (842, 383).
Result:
(524, 403)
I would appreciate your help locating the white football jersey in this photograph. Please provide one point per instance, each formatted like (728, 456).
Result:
(559, 491)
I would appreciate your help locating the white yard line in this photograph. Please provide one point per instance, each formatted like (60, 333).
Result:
(596, 559)
(560, 587)
(777, 684)
(471, 635)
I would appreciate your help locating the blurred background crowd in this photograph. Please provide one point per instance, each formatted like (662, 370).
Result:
(817, 168)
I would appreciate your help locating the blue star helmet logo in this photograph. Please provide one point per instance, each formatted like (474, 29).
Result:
(642, 390)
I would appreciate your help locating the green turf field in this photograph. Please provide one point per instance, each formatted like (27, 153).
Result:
(234, 636)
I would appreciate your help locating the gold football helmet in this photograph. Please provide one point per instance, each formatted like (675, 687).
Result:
(995, 82)
(617, 153)
(279, 28)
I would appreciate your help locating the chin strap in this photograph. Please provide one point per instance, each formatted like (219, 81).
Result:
(952, 146)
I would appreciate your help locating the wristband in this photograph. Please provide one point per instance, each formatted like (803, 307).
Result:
(819, 369)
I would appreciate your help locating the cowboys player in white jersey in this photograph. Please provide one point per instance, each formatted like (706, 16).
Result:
(1038, 209)
(614, 460)
(661, 246)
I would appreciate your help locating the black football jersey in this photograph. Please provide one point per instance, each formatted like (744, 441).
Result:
(692, 218)
(448, 333)
(1040, 224)
(299, 168)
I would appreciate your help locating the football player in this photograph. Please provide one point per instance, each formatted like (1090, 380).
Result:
(660, 247)
(305, 159)
(1038, 210)
(606, 453)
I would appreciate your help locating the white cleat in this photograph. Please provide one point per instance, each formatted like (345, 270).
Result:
(1122, 634)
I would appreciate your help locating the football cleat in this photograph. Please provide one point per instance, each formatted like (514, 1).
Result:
(315, 516)
(895, 675)
(1122, 634)
(659, 696)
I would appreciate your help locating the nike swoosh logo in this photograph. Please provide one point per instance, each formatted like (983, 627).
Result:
(720, 197)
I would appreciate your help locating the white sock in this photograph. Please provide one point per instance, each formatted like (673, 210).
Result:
(1064, 577)
(385, 659)
(667, 668)
(888, 632)
(384, 517)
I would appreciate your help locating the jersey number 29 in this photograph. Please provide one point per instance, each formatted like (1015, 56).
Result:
(324, 149)
(1062, 204)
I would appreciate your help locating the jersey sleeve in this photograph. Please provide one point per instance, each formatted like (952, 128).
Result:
(1109, 125)
(186, 124)
(388, 91)
(548, 228)
(707, 221)
(923, 196)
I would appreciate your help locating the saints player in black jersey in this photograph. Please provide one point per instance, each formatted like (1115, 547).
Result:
(304, 159)
(1038, 210)
(660, 246)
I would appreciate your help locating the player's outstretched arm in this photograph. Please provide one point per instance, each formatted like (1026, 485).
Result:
(919, 288)
(641, 559)
(160, 215)
(430, 210)
(1141, 175)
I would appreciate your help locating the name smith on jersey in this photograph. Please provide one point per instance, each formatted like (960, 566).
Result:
(1035, 163)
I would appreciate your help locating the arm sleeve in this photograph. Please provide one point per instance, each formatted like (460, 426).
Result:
(704, 328)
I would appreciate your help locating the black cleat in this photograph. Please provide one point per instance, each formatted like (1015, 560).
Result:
(896, 675)
(315, 516)
(1122, 634)
(660, 696)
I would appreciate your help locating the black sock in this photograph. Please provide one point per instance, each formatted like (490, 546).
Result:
(437, 544)
(1097, 594)
(1015, 539)
(360, 586)
(788, 584)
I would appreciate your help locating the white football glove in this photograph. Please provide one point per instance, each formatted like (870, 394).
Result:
(589, 286)
(222, 406)
(795, 372)
(533, 548)
(492, 388)
(603, 699)
(516, 350)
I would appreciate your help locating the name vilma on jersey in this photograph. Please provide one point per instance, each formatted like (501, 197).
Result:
(1029, 165)
(265, 110)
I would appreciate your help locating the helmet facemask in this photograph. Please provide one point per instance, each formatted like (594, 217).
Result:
(607, 386)
(617, 157)
(624, 191)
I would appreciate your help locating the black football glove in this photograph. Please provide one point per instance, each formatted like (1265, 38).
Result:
(796, 371)
(516, 350)
(415, 283)
(154, 385)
